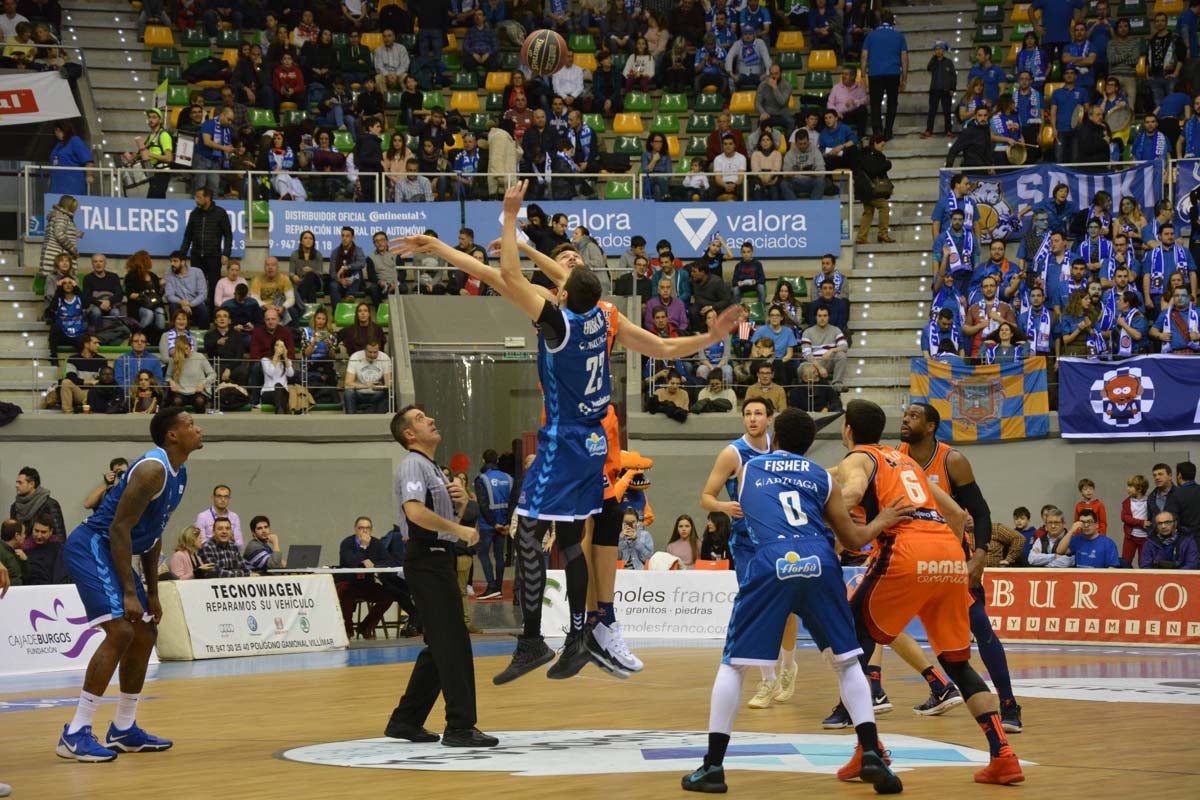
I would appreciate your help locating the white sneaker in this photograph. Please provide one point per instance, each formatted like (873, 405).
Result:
(612, 640)
(766, 691)
(787, 685)
(470, 590)
(5, 790)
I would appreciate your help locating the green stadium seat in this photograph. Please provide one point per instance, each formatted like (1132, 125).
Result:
(990, 12)
(1139, 26)
(340, 40)
(198, 54)
(343, 315)
(665, 123)
(172, 73)
(818, 80)
(618, 189)
(709, 101)
(39, 283)
(683, 165)
(260, 212)
(1131, 8)
(672, 104)
(619, 60)
(628, 146)
(581, 43)
(409, 40)
(701, 123)
(393, 100)
(988, 33)
(495, 101)
(595, 122)
(343, 141)
(510, 60)
(194, 38)
(465, 81)
(433, 100)
(453, 61)
(741, 122)
(231, 39)
(383, 315)
(755, 311)
(260, 118)
(797, 282)
(479, 123)
(164, 56)
(638, 103)
(292, 118)
(790, 60)
(696, 146)
(1019, 31)
(412, 142)
(178, 95)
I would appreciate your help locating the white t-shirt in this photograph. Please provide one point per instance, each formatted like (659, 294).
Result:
(355, 7)
(366, 371)
(1139, 510)
(8, 27)
(729, 167)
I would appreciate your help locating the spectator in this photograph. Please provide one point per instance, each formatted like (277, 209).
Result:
(368, 380)
(44, 553)
(994, 80)
(1166, 53)
(1123, 52)
(481, 45)
(129, 364)
(765, 164)
(281, 161)
(1005, 547)
(1053, 20)
(827, 299)
(83, 371)
(709, 66)
(219, 509)
(568, 82)
(838, 143)
(715, 145)
(187, 290)
(814, 393)
(1164, 487)
(885, 61)
(709, 293)
(116, 468)
(730, 168)
(368, 157)
(355, 337)
(1135, 516)
(69, 151)
(766, 387)
(12, 554)
(244, 311)
(607, 82)
(656, 161)
(943, 336)
(749, 276)
(775, 92)
(1150, 143)
(274, 290)
(319, 347)
(974, 143)
(1087, 490)
(185, 563)
(287, 80)
(492, 488)
(1169, 547)
(62, 237)
(263, 551)
(747, 61)
(671, 399)
(262, 345)
(102, 294)
(825, 346)
(873, 169)
(639, 67)
(1003, 346)
(33, 501)
(354, 59)
(226, 347)
(592, 254)
(1044, 552)
(276, 371)
(391, 62)
(385, 277)
(362, 550)
(1087, 546)
(146, 396)
(1178, 327)
(208, 237)
(667, 265)
(636, 282)
(684, 543)
(716, 397)
(190, 378)
(347, 267)
(223, 553)
(66, 314)
(636, 545)
(804, 156)
(502, 155)
(943, 82)
(715, 544)
(466, 169)
(225, 288)
(179, 330)
(211, 153)
(1184, 502)
(985, 315)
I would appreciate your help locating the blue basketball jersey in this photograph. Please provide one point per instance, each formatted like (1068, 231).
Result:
(575, 379)
(745, 451)
(783, 497)
(149, 528)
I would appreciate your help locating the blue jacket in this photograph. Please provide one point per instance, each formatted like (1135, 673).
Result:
(492, 487)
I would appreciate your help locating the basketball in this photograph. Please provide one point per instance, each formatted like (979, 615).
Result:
(544, 52)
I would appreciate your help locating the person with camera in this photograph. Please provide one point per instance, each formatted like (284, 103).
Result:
(636, 545)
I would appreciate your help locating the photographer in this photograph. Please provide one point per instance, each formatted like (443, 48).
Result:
(116, 468)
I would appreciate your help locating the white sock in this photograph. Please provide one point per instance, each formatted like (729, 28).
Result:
(787, 659)
(767, 672)
(726, 698)
(856, 691)
(85, 712)
(126, 711)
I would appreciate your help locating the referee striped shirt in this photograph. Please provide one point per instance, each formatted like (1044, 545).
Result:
(418, 478)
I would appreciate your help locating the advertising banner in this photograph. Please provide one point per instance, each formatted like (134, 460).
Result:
(44, 628)
(799, 229)
(1006, 198)
(120, 226)
(31, 97)
(1095, 606)
(1187, 181)
(986, 403)
(259, 616)
(1139, 397)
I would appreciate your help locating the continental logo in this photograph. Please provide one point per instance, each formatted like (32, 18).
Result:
(793, 566)
(946, 571)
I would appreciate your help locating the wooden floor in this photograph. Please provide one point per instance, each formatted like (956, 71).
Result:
(229, 732)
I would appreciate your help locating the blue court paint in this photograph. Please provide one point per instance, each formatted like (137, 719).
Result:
(36, 703)
(672, 753)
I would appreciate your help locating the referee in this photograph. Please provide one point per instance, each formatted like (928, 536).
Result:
(428, 512)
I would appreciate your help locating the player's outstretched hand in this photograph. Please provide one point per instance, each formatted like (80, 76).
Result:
(894, 512)
(727, 320)
(514, 197)
(493, 248)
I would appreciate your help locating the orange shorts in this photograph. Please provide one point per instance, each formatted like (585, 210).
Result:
(923, 577)
(612, 462)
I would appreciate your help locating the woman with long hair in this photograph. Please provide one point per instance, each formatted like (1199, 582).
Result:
(1004, 345)
(972, 99)
(1076, 327)
(281, 160)
(179, 330)
(636, 545)
(786, 300)
(656, 168)
(354, 337)
(1032, 58)
(765, 164)
(639, 67)
(226, 348)
(144, 292)
(1130, 221)
(62, 236)
(146, 395)
(319, 345)
(185, 562)
(395, 157)
(69, 151)
(306, 265)
(715, 545)
(276, 371)
(190, 378)
(684, 543)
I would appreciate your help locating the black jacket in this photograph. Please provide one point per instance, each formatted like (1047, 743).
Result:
(1090, 145)
(368, 156)
(975, 145)
(871, 164)
(351, 555)
(1184, 503)
(946, 71)
(208, 233)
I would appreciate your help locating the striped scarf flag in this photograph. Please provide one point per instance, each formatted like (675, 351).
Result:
(984, 403)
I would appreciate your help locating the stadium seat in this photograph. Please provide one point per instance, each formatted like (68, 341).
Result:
(824, 60)
(755, 311)
(199, 54)
(412, 142)
(818, 80)
(673, 146)
(683, 165)
(665, 123)
(494, 101)
(789, 40)
(260, 118)
(284, 106)
(39, 283)
(1131, 8)
(463, 81)
(340, 40)
(711, 565)
(1140, 69)
(1020, 13)
(741, 122)
(595, 122)
(581, 43)
(343, 142)
(456, 144)
(194, 38)
(1011, 58)
(343, 315)
(453, 61)
(628, 146)
(672, 104)
(168, 56)
(638, 102)
(260, 212)
(1169, 7)
(232, 39)
(383, 315)
(742, 102)
(432, 101)
(701, 123)
(409, 40)
(790, 60)
(371, 40)
(990, 12)
(797, 282)
(1049, 90)
(1019, 31)
(696, 146)
(1138, 26)
(230, 56)
(292, 118)
(510, 60)
(988, 32)
(158, 36)
(172, 73)
(452, 45)
(393, 100)
(178, 96)
(709, 101)
(586, 61)
(497, 81)
(618, 189)
(627, 123)
(479, 123)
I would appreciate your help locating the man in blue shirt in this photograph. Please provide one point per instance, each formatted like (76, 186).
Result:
(784, 337)
(1052, 20)
(1063, 103)
(466, 166)
(1186, 26)
(1090, 549)
(1099, 34)
(885, 65)
(994, 79)
(1080, 53)
(960, 186)
(212, 151)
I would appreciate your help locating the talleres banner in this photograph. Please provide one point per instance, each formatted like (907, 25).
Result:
(33, 97)
(1149, 396)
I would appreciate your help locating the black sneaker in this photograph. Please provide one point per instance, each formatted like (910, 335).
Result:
(840, 718)
(468, 737)
(573, 657)
(881, 702)
(878, 774)
(939, 702)
(406, 730)
(708, 779)
(1010, 717)
(530, 654)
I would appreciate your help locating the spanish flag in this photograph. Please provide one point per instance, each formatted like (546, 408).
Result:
(984, 403)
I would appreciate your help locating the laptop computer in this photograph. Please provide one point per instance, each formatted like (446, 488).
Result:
(304, 556)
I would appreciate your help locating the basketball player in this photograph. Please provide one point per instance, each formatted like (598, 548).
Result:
(920, 572)
(787, 500)
(129, 522)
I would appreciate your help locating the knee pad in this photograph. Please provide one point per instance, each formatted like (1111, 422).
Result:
(569, 537)
(964, 676)
(607, 529)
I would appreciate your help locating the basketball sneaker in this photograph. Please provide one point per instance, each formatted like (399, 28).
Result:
(881, 703)
(787, 685)
(1003, 770)
(708, 779)
(875, 771)
(1010, 717)
(612, 641)
(939, 703)
(530, 654)
(853, 767)
(573, 657)
(603, 658)
(766, 692)
(840, 718)
(82, 746)
(134, 740)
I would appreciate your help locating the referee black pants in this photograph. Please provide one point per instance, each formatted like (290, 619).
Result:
(446, 665)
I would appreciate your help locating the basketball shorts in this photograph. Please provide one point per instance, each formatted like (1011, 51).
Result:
(742, 550)
(90, 564)
(923, 577)
(612, 463)
(565, 481)
(790, 577)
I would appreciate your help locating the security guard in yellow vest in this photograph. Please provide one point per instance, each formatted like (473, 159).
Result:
(157, 151)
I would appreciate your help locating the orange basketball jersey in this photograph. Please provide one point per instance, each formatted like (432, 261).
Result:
(938, 468)
(896, 476)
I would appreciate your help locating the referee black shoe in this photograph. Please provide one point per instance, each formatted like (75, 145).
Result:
(406, 730)
(468, 737)
(574, 656)
(531, 653)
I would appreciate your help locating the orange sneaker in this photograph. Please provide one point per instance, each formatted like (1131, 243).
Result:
(1001, 769)
(853, 769)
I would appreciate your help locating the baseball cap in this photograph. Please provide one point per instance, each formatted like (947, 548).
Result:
(153, 110)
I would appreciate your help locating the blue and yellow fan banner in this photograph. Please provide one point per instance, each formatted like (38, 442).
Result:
(986, 403)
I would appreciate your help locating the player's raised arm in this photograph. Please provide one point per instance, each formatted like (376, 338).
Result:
(521, 292)
(408, 246)
(724, 467)
(852, 535)
(633, 337)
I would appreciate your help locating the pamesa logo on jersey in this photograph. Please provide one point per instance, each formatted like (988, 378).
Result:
(792, 565)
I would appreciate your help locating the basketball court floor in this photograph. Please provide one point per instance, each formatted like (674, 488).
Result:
(1100, 722)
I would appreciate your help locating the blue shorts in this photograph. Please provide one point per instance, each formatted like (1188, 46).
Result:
(799, 577)
(742, 550)
(566, 480)
(90, 564)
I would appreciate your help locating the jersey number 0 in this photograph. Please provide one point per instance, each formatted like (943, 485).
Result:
(792, 509)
